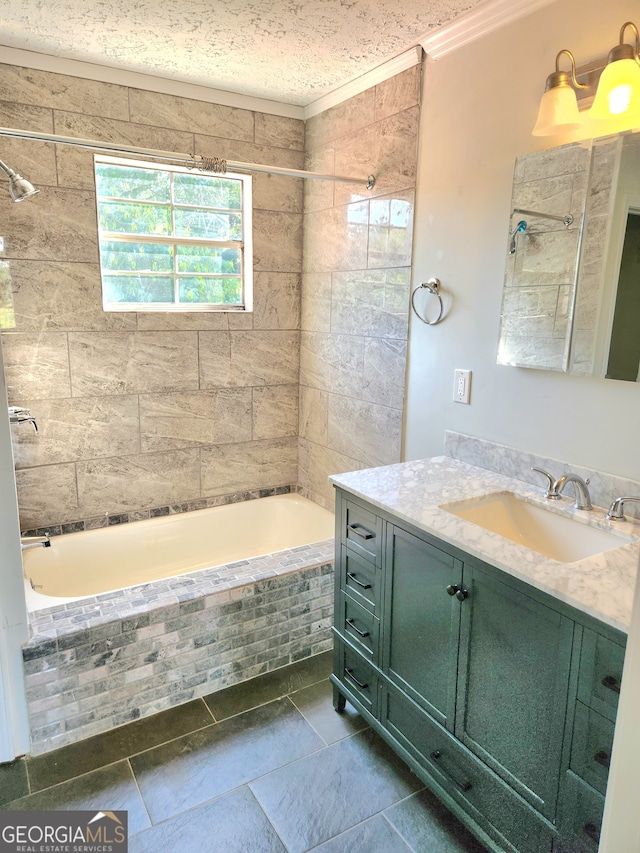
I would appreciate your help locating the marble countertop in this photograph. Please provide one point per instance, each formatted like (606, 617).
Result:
(601, 586)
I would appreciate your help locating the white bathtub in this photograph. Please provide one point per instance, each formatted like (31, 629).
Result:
(93, 562)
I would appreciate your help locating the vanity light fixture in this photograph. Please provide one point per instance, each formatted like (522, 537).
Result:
(617, 95)
(619, 85)
(558, 110)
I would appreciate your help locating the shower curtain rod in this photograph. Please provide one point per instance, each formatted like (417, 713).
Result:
(205, 164)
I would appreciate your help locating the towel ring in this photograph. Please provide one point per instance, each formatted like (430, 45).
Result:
(433, 287)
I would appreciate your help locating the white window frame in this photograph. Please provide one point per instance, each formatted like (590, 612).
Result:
(245, 245)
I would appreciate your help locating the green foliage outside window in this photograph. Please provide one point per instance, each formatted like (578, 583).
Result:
(170, 238)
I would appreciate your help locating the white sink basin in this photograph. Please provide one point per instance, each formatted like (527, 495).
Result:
(549, 533)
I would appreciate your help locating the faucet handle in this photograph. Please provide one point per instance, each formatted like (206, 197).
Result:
(616, 509)
(552, 490)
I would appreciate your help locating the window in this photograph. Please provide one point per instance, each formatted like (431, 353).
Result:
(172, 239)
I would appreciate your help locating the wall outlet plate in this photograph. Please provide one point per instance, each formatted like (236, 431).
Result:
(462, 386)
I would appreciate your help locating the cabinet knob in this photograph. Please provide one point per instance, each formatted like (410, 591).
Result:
(452, 589)
(461, 594)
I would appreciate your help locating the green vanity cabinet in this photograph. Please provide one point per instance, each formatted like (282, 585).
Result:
(501, 698)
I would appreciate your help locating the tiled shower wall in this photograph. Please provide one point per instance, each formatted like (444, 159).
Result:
(139, 411)
(355, 283)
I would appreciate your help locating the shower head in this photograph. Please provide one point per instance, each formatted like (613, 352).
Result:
(520, 227)
(19, 187)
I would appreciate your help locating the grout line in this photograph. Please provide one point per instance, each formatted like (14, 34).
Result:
(142, 800)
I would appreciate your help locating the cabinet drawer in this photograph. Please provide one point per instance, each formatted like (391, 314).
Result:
(582, 817)
(356, 675)
(359, 625)
(362, 530)
(601, 664)
(360, 579)
(591, 747)
(484, 796)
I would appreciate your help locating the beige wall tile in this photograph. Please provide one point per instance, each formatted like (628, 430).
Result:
(336, 239)
(371, 301)
(277, 192)
(46, 89)
(319, 194)
(125, 483)
(199, 116)
(315, 464)
(279, 131)
(277, 241)
(398, 93)
(342, 120)
(130, 362)
(75, 429)
(167, 321)
(315, 304)
(50, 295)
(314, 406)
(236, 359)
(331, 362)
(187, 419)
(250, 465)
(390, 231)
(383, 376)
(275, 411)
(364, 431)
(239, 151)
(47, 495)
(276, 300)
(36, 365)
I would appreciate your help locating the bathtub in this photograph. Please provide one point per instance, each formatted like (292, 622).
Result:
(139, 617)
(94, 562)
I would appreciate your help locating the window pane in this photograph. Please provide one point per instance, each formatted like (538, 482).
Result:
(226, 290)
(204, 191)
(207, 223)
(137, 288)
(131, 218)
(137, 184)
(206, 259)
(145, 257)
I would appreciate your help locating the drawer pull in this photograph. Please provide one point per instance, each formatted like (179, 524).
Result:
(348, 674)
(436, 755)
(354, 578)
(612, 683)
(592, 831)
(351, 624)
(360, 531)
(602, 758)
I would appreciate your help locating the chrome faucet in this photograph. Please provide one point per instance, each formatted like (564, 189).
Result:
(17, 415)
(35, 542)
(583, 498)
(556, 487)
(615, 510)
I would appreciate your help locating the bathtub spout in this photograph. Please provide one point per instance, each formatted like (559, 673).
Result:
(35, 542)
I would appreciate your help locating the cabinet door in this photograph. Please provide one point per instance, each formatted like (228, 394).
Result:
(513, 684)
(421, 623)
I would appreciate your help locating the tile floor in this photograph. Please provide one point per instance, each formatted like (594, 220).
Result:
(266, 766)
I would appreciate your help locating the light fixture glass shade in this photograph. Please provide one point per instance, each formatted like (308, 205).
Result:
(558, 112)
(618, 91)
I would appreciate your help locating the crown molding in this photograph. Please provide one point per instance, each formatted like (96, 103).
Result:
(148, 82)
(479, 22)
(377, 75)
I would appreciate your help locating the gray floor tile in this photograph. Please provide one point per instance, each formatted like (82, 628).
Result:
(98, 751)
(13, 781)
(233, 823)
(428, 826)
(315, 703)
(373, 836)
(265, 688)
(199, 766)
(109, 789)
(312, 800)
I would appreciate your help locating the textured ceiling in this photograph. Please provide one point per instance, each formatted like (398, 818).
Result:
(292, 51)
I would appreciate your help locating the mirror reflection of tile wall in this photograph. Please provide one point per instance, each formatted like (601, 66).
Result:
(541, 272)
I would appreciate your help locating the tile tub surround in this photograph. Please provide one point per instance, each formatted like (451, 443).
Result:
(600, 586)
(603, 487)
(356, 283)
(278, 730)
(142, 411)
(99, 663)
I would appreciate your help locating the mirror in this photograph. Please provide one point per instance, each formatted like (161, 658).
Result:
(571, 301)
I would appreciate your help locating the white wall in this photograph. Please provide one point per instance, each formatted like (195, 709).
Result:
(479, 106)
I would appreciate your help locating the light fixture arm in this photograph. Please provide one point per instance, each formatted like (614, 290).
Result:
(564, 78)
(623, 50)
